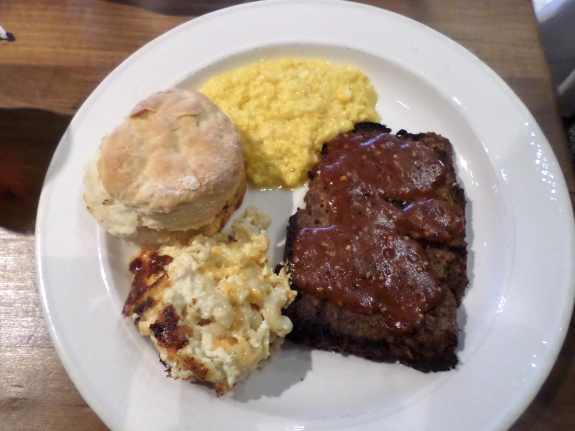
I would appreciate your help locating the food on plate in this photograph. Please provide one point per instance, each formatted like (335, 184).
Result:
(286, 109)
(213, 307)
(172, 169)
(378, 256)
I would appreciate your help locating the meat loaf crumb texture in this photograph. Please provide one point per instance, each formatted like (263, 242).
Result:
(320, 323)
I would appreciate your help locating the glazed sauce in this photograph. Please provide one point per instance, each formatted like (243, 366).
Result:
(380, 199)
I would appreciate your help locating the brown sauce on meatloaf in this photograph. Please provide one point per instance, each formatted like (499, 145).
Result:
(379, 201)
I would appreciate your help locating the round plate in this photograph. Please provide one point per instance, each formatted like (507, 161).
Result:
(520, 233)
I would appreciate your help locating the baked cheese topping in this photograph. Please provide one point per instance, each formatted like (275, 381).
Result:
(218, 315)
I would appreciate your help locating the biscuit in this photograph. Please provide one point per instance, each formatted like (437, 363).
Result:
(172, 169)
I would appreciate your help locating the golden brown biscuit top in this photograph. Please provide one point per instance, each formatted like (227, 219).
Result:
(174, 148)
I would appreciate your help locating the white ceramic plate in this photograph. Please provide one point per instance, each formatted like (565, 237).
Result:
(520, 231)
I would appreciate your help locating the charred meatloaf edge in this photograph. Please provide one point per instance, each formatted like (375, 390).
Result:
(327, 326)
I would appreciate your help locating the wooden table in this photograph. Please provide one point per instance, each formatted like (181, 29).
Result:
(64, 48)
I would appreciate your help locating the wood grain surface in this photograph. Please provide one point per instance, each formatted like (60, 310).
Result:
(64, 48)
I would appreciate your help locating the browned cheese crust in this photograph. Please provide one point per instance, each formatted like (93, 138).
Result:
(150, 281)
(326, 325)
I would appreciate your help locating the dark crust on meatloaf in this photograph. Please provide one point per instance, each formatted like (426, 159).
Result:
(324, 325)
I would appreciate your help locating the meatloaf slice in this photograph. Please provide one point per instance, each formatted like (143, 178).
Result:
(427, 338)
